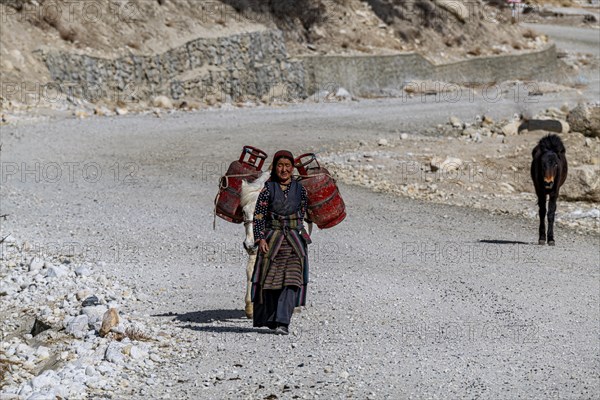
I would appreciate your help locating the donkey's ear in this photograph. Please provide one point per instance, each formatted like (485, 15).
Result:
(536, 152)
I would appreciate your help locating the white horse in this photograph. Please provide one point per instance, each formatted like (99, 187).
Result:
(250, 192)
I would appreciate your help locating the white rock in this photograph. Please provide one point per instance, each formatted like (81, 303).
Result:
(62, 391)
(446, 165)
(83, 294)
(7, 289)
(455, 122)
(90, 371)
(113, 353)
(57, 271)
(42, 353)
(120, 328)
(25, 390)
(42, 395)
(77, 326)
(36, 264)
(343, 94)
(382, 142)
(137, 353)
(511, 129)
(47, 379)
(162, 102)
(83, 271)
(404, 136)
(105, 367)
(94, 313)
(23, 350)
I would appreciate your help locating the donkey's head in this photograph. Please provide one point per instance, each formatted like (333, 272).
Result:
(550, 169)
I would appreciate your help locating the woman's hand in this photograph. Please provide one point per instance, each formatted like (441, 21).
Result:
(263, 246)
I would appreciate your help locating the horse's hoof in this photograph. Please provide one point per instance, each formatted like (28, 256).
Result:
(542, 242)
(550, 242)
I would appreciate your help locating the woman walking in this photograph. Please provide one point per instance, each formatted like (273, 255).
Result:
(281, 271)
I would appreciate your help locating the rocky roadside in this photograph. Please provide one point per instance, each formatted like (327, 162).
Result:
(482, 164)
(69, 331)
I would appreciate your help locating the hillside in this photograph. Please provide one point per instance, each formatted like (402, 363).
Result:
(439, 29)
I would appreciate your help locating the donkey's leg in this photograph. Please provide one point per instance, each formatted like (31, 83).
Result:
(249, 269)
(542, 215)
(551, 213)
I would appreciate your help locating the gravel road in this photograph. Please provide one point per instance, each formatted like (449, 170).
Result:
(584, 40)
(407, 299)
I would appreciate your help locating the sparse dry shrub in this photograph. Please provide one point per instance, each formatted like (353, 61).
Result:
(529, 34)
(5, 365)
(475, 52)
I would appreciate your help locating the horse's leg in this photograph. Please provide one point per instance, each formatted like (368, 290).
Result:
(542, 214)
(249, 269)
(551, 212)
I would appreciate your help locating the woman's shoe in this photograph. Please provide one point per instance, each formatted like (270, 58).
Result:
(282, 330)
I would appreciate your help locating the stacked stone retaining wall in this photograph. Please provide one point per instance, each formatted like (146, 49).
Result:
(233, 66)
(372, 75)
(255, 64)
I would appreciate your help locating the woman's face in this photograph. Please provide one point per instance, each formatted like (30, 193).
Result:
(284, 169)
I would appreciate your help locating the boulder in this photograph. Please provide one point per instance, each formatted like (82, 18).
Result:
(162, 102)
(455, 122)
(77, 326)
(113, 353)
(445, 164)
(583, 183)
(57, 271)
(456, 8)
(110, 320)
(511, 129)
(550, 125)
(585, 118)
(36, 264)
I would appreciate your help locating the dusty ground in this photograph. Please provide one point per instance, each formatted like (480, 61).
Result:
(446, 301)
(485, 172)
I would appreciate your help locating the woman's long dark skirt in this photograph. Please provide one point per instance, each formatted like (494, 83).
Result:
(277, 307)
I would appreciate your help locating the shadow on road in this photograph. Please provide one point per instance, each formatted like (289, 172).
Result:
(206, 316)
(225, 329)
(494, 241)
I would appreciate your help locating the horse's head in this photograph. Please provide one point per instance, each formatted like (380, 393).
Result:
(250, 192)
(249, 226)
(550, 169)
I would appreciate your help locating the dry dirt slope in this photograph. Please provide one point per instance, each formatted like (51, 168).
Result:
(438, 28)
